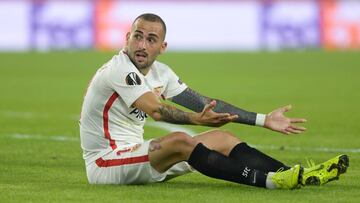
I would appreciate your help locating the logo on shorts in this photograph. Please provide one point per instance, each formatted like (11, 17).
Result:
(131, 149)
(123, 151)
(133, 79)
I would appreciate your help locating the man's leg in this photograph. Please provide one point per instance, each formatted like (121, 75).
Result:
(176, 147)
(230, 145)
(166, 151)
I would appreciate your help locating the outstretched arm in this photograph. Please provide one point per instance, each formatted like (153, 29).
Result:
(150, 104)
(275, 120)
(196, 102)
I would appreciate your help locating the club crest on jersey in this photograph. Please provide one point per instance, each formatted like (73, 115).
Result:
(157, 91)
(133, 79)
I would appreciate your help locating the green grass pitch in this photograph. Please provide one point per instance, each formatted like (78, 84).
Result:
(41, 96)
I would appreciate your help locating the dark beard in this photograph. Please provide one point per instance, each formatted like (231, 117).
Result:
(138, 66)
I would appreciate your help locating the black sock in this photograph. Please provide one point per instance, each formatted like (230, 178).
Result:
(256, 159)
(214, 164)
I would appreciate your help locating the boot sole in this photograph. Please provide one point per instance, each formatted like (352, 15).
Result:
(341, 166)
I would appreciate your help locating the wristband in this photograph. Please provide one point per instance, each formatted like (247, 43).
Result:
(260, 119)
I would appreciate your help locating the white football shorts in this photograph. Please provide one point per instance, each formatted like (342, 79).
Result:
(130, 165)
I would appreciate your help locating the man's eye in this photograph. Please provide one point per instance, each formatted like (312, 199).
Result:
(152, 40)
(137, 36)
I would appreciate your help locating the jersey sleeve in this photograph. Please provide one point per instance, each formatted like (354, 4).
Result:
(126, 80)
(174, 85)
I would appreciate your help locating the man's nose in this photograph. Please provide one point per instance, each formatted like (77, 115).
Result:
(142, 44)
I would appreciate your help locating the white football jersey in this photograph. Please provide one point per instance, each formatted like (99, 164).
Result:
(108, 119)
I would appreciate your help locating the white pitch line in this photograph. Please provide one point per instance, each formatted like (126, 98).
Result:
(171, 128)
(21, 114)
(65, 138)
(308, 149)
(43, 137)
(34, 115)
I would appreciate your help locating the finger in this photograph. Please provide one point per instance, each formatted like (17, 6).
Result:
(295, 127)
(285, 108)
(234, 117)
(221, 115)
(285, 132)
(223, 120)
(294, 130)
(213, 103)
(288, 132)
(229, 118)
(208, 107)
(298, 120)
(218, 118)
(291, 130)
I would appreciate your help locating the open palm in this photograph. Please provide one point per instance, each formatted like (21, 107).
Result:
(277, 121)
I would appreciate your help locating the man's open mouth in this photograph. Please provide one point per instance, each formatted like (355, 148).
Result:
(140, 56)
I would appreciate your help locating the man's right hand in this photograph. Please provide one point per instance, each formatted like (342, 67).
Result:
(151, 105)
(208, 117)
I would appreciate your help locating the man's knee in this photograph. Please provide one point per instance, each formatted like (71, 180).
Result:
(226, 135)
(222, 141)
(166, 151)
(183, 143)
(183, 139)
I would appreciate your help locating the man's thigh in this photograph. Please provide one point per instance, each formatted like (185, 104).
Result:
(125, 165)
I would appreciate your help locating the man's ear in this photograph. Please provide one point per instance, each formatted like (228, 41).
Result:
(127, 36)
(163, 47)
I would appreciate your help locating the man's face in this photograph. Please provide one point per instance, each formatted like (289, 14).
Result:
(145, 42)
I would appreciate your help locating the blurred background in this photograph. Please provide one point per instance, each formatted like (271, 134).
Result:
(204, 25)
(256, 54)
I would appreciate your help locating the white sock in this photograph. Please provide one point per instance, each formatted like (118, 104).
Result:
(269, 182)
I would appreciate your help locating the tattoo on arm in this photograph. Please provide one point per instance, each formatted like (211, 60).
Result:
(196, 102)
(173, 115)
(191, 100)
(245, 117)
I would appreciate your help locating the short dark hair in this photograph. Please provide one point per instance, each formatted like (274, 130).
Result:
(152, 18)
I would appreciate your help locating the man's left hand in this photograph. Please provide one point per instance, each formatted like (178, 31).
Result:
(276, 121)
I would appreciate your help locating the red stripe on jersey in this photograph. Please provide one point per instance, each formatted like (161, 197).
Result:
(118, 162)
(107, 107)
